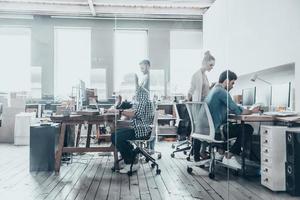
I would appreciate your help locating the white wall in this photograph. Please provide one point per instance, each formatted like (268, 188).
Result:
(252, 35)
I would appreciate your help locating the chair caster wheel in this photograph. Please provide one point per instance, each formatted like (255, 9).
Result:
(188, 158)
(202, 166)
(158, 171)
(159, 156)
(129, 173)
(152, 165)
(189, 170)
(211, 175)
(184, 152)
(172, 155)
(147, 160)
(173, 146)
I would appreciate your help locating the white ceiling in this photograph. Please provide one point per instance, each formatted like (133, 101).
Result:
(187, 9)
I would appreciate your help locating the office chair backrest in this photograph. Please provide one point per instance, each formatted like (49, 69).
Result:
(183, 119)
(201, 121)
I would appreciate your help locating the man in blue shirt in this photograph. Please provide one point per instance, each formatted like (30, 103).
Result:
(220, 105)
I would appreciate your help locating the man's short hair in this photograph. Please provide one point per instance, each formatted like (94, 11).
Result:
(145, 62)
(231, 76)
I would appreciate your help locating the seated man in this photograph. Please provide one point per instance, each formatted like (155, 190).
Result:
(141, 116)
(219, 102)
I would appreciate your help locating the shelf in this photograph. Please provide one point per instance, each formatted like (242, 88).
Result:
(165, 104)
(166, 134)
(166, 118)
(167, 127)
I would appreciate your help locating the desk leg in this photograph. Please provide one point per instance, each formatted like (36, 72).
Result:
(60, 147)
(78, 135)
(243, 148)
(116, 163)
(88, 139)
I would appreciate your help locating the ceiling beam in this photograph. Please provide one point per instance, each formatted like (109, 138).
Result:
(92, 8)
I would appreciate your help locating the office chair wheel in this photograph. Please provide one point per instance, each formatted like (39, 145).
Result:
(147, 160)
(158, 171)
(184, 152)
(202, 166)
(189, 170)
(172, 155)
(129, 173)
(188, 158)
(173, 146)
(152, 165)
(211, 175)
(159, 156)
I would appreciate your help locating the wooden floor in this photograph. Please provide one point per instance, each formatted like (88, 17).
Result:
(90, 177)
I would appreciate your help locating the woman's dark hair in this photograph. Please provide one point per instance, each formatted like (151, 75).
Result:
(231, 76)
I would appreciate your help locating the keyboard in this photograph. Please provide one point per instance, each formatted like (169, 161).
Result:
(282, 114)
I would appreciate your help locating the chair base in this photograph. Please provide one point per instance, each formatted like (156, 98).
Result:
(213, 162)
(139, 150)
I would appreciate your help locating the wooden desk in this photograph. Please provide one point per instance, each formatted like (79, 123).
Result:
(79, 120)
(260, 118)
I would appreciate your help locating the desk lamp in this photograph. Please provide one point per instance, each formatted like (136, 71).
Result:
(256, 77)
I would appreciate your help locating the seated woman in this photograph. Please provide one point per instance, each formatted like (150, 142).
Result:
(141, 115)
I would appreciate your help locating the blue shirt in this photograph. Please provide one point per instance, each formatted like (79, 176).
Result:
(219, 103)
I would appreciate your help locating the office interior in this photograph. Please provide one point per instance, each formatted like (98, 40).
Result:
(65, 63)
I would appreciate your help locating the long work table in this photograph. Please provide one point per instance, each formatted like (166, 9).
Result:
(108, 119)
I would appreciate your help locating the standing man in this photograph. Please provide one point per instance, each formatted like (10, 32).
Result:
(145, 79)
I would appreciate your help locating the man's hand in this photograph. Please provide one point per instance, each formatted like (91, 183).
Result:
(112, 110)
(255, 109)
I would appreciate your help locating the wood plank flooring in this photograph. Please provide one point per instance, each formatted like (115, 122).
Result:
(90, 177)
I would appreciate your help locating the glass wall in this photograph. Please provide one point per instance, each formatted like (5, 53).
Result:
(130, 48)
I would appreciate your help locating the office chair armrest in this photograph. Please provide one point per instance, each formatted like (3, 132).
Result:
(222, 132)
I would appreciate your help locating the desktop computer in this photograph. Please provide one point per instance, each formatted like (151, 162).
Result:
(248, 96)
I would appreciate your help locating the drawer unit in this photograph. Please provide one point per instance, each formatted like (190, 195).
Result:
(273, 156)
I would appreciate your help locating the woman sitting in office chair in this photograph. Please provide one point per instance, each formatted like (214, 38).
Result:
(197, 92)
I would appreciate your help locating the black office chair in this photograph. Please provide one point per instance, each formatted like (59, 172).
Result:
(140, 147)
(184, 130)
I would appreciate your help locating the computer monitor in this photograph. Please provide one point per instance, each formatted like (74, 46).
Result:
(248, 96)
(281, 94)
(263, 95)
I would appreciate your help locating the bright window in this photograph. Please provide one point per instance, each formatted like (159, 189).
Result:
(185, 58)
(72, 60)
(131, 46)
(157, 82)
(15, 57)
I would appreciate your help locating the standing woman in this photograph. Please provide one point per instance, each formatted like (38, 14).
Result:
(197, 92)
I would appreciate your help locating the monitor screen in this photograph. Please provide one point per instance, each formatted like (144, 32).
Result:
(248, 96)
(281, 94)
(263, 95)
